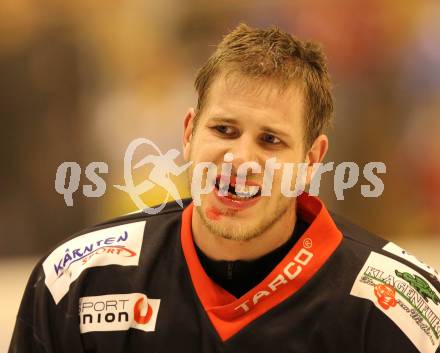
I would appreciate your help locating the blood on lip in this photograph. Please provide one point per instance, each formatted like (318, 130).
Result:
(236, 204)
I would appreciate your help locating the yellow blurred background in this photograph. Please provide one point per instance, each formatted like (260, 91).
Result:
(80, 80)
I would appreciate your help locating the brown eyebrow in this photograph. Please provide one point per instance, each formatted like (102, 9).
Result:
(267, 129)
(220, 119)
(274, 131)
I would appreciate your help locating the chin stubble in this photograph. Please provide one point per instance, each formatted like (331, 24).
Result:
(238, 232)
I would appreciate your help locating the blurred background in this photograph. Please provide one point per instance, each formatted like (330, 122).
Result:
(80, 80)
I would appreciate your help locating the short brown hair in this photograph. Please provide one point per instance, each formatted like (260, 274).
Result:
(274, 54)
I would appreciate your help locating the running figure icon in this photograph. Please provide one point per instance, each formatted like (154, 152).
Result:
(163, 166)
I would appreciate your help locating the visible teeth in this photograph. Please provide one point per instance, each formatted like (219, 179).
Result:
(244, 194)
(236, 192)
(245, 191)
(224, 190)
(240, 196)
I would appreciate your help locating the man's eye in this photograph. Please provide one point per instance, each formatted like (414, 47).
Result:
(270, 139)
(225, 130)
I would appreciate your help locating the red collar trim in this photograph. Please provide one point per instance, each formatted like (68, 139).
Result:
(229, 314)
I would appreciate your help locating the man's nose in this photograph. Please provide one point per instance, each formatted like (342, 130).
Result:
(244, 149)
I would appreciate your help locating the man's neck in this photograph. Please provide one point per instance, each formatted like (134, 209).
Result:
(240, 276)
(219, 248)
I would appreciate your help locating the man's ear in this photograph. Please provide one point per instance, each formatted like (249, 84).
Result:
(188, 127)
(316, 154)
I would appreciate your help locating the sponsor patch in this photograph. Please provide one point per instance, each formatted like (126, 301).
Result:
(405, 296)
(398, 251)
(118, 312)
(119, 245)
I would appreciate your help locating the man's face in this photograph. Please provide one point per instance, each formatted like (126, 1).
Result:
(255, 122)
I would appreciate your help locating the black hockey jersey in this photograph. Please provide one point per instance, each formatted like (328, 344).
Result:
(135, 284)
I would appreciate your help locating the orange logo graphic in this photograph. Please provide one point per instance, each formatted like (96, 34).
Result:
(142, 319)
(386, 295)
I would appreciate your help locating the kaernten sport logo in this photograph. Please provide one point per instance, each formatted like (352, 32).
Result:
(119, 245)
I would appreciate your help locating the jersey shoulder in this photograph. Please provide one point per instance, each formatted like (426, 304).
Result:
(119, 241)
(361, 239)
(403, 288)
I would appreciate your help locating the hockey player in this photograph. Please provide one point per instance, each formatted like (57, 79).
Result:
(241, 272)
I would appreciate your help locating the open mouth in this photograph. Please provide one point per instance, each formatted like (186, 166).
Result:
(237, 192)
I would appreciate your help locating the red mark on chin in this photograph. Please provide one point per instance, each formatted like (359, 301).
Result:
(213, 213)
